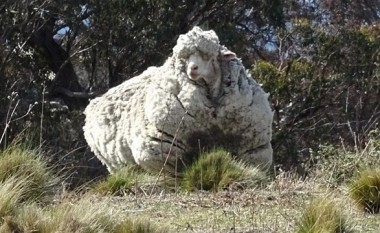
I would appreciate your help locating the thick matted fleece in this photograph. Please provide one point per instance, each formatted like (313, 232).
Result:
(163, 117)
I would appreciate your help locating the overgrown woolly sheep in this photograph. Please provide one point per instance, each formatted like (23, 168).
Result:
(201, 97)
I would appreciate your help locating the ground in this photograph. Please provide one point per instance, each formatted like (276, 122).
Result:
(274, 207)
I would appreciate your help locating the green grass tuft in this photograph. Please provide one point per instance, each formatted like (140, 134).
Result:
(365, 190)
(323, 215)
(29, 164)
(138, 226)
(122, 181)
(217, 170)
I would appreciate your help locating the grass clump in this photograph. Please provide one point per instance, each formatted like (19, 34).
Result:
(322, 215)
(217, 170)
(86, 215)
(365, 190)
(27, 218)
(122, 181)
(138, 226)
(21, 162)
(83, 216)
(11, 194)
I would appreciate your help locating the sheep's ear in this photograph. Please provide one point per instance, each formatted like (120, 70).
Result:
(228, 55)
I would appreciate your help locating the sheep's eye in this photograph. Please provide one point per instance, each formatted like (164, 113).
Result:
(205, 57)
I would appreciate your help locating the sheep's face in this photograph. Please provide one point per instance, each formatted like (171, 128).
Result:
(201, 66)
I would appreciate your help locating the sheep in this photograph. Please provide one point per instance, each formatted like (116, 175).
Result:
(200, 97)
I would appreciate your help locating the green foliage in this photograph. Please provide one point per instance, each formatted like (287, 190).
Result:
(372, 32)
(326, 94)
(217, 170)
(27, 164)
(282, 82)
(269, 75)
(323, 215)
(123, 181)
(365, 190)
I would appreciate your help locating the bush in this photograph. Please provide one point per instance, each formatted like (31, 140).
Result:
(336, 165)
(27, 164)
(321, 216)
(328, 93)
(365, 190)
(217, 170)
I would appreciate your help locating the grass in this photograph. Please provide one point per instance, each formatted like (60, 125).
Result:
(12, 192)
(337, 166)
(29, 164)
(138, 226)
(24, 179)
(365, 190)
(27, 218)
(123, 181)
(323, 215)
(85, 215)
(276, 205)
(217, 170)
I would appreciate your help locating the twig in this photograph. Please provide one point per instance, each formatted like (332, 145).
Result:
(42, 114)
(167, 156)
(8, 119)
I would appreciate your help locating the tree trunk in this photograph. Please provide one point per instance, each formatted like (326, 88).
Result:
(59, 62)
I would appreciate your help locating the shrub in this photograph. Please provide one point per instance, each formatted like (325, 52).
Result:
(321, 216)
(25, 163)
(122, 181)
(217, 170)
(328, 82)
(336, 165)
(365, 190)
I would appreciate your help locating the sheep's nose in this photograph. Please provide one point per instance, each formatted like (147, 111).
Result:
(193, 67)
